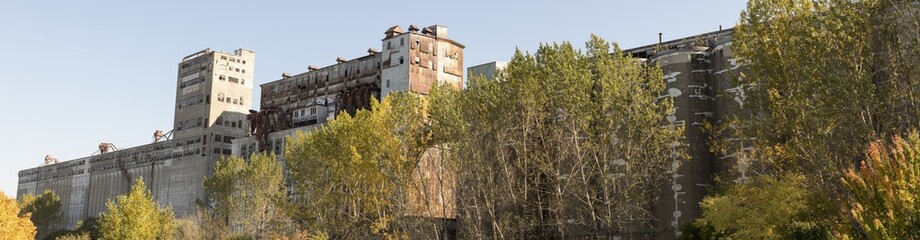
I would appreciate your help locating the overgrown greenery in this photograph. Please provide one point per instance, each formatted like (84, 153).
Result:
(354, 175)
(571, 143)
(136, 216)
(567, 142)
(247, 198)
(885, 190)
(44, 208)
(823, 80)
(12, 225)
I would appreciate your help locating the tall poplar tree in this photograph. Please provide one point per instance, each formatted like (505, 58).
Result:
(247, 196)
(568, 143)
(354, 176)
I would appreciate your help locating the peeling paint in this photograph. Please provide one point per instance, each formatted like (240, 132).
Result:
(707, 114)
(671, 77)
(702, 97)
(739, 95)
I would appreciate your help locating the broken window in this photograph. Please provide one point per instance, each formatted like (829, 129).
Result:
(401, 60)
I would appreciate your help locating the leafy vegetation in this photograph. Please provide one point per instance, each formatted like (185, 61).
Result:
(247, 196)
(568, 142)
(574, 143)
(353, 176)
(12, 225)
(44, 208)
(136, 216)
(885, 189)
(823, 80)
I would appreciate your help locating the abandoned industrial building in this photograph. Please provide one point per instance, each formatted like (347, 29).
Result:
(213, 118)
(213, 109)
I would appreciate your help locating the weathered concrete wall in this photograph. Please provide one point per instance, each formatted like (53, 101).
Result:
(172, 171)
(699, 72)
(489, 71)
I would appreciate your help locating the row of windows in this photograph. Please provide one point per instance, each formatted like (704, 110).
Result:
(226, 139)
(54, 167)
(191, 82)
(222, 98)
(225, 67)
(222, 151)
(191, 101)
(303, 112)
(51, 176)
(229, 123)
(231, 79)
(232, 59)
(189, 124)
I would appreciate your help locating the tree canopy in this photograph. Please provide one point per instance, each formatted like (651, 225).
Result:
(352, 175)
(136, 216)
(12, 225)
(247, 196)
(567, 142)
(44, 209)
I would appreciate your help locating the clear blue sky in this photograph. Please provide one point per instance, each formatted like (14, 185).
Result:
(77, 73)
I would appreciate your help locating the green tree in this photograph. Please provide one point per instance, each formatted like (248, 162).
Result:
(13, 226)
(822, 80)
(75, 236)
(884, 190)
(352, 177)
(44, 209)
(248, 195)
(766, 208)
(136, 216)
(568, 143)
(810, 86)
